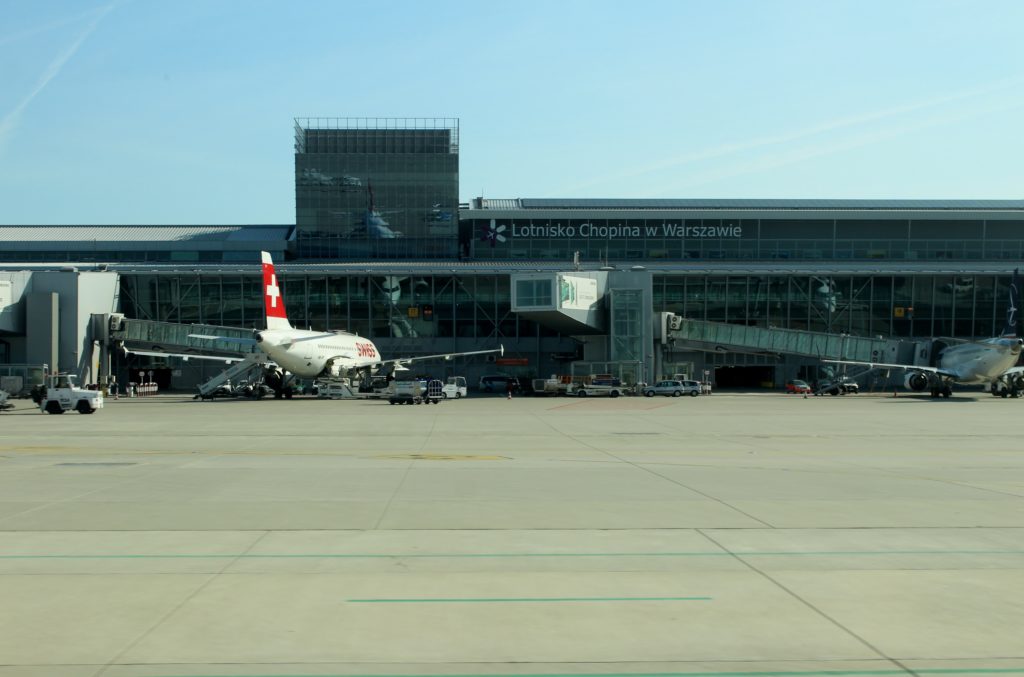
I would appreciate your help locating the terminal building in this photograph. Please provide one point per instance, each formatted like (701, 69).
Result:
(381, 247)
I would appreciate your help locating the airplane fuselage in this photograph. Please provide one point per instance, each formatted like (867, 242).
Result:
(980, 363)
(309, 354)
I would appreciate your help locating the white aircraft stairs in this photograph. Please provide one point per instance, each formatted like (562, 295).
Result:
(235, 372)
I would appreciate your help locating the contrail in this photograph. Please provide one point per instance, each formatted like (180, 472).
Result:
(798, 155)
(10, 120)
(63, 21)
(821, 128)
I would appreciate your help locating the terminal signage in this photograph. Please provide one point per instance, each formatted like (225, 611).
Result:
(614, 232)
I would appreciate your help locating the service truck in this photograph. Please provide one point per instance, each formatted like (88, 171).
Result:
(63, 394)
(599, 384)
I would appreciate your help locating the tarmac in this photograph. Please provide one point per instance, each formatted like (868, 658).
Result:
(748, 535)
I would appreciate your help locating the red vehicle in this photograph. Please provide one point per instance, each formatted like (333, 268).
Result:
(797, 386)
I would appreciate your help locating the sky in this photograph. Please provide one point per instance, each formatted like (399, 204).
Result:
(147, 112)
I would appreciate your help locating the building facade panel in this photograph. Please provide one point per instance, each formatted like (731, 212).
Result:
(376, 188)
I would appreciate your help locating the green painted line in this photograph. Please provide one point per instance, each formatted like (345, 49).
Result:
(757, 673)
(509, 555)
(456, 600)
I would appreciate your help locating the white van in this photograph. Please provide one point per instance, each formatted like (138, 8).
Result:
(455, 388)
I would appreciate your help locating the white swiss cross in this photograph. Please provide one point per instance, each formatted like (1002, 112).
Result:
(273, 291)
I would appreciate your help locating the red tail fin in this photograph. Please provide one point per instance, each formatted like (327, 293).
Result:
(273, 303)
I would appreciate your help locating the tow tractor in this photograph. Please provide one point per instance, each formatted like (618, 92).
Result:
(63, 394)
(454, 388)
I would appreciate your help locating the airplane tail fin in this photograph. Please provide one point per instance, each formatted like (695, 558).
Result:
(273, 303)
(1010, 330)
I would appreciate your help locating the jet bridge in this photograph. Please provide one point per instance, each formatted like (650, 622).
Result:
(723, 337)
(149, 337)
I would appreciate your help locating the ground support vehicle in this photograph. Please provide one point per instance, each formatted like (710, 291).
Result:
(1007, 387)
(455, 388)
(840, 386)
(336, 389)
(549, 386)
(416, 392)
(435, 392)
(595, 389)
(374, 387)
(672, 388)
(63, 394)
(4, 404)
(255, 390)
(600, 384)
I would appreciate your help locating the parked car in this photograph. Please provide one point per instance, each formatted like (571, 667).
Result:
(497, 383)
(672, 388)
(796, 386)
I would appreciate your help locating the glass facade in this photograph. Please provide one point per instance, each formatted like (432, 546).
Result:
(627, 323)
(376, 188)
(860, 305)
(478, 306)
(377, 306)
(761, 239)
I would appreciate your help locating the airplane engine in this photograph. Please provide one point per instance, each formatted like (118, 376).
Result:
(334, 370)
(916, 381)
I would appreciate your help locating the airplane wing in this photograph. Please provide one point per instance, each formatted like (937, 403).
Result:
(234, 339)
(398, 362)
(910, 367)
(186, 356)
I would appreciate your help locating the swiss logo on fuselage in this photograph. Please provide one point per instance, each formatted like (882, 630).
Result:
(365, 349)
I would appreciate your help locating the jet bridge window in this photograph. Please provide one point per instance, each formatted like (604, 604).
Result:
(533, 293)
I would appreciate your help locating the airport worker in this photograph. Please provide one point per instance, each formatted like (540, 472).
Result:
(508, 388)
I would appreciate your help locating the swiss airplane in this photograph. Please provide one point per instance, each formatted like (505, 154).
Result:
(310, 354)
(318, 354)
(990, 361)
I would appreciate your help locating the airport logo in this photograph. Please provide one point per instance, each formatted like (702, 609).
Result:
(493, 233)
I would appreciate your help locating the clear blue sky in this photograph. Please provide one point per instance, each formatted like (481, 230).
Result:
(137, 111)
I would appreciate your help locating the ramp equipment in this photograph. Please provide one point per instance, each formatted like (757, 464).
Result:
(236, 371)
